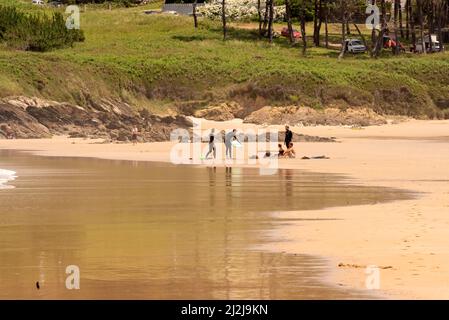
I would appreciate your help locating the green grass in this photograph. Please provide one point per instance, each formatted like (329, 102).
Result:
(161, 62)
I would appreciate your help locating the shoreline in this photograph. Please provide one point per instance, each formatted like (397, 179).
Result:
(407, 235)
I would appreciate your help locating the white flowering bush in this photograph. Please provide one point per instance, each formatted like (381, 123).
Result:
(238, 10)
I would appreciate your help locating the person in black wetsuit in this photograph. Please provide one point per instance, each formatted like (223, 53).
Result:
(288, 136)
(212, 144)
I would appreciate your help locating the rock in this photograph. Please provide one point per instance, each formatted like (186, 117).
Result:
(296, 138)
(24, 117)
(306, 116)
(123, 135)
(222, 112)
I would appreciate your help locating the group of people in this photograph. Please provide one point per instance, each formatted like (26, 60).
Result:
(231, 136)
(228, 139)
(289, 152)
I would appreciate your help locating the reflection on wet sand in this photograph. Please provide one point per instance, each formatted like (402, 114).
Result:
(147, 231)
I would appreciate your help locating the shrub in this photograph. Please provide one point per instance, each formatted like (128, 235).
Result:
(238, 10)
(36, 31)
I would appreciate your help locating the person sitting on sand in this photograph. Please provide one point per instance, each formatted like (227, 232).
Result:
(281, 151)
(290, 152)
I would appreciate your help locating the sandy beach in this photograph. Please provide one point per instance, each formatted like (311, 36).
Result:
(407, 239)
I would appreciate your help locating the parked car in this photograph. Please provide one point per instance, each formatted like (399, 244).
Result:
(38, 2)
(285, 33)
(390, 43)
(55, 4)
(431, 44)
(354, 46)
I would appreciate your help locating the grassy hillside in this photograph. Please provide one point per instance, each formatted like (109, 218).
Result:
(162, 63)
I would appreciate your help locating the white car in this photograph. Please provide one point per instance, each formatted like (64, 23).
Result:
(38, 2)
(354, 46)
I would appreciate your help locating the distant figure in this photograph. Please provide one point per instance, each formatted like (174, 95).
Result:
(290, 152)
(281, 151)
(37, 285)
(8, 131)
(134, 134)
(212, 144)
(230, 136)
(288, 136)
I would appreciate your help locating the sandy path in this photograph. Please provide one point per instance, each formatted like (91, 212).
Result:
(409, 236)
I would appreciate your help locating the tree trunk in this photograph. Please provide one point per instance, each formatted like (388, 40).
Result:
(379, 43)
(396, 34)
(412, 25)
(315, 22)
(361, 35)
(270, 23)
(407, 22)
(373, 32)
(401, 25)
(288, 13)
(320, 22)
(259, 15)
(431, 16)
(195, 19)
(303, 27)
(343, 29)
(326, 27)
(223, 18)
(265, 18)
(441, 9)
(419, 4)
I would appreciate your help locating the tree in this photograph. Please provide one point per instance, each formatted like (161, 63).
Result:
(419, 5)
(223, 17)
(347, 9)
(383, 28)
(270, 21)
(317, 21)
(407, 19)
(303, 27)
(288, 13)
(441, 7)
(195, 19)
(326, 23)
(397, 4)
(343, 8)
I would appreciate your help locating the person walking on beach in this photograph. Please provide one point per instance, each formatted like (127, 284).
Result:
(229, 138)
(212, 144)
(134, 134)
(288, 136)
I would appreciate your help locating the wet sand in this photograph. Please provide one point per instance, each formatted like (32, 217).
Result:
(147, 230)
(408, 237)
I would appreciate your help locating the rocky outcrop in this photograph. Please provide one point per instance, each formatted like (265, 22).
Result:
(306, 116)
(222, 112)
(23, 117)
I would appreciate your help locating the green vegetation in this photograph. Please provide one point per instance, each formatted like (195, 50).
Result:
(35, 31)
(161, 62)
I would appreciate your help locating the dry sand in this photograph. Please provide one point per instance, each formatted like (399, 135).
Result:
(410, 236)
